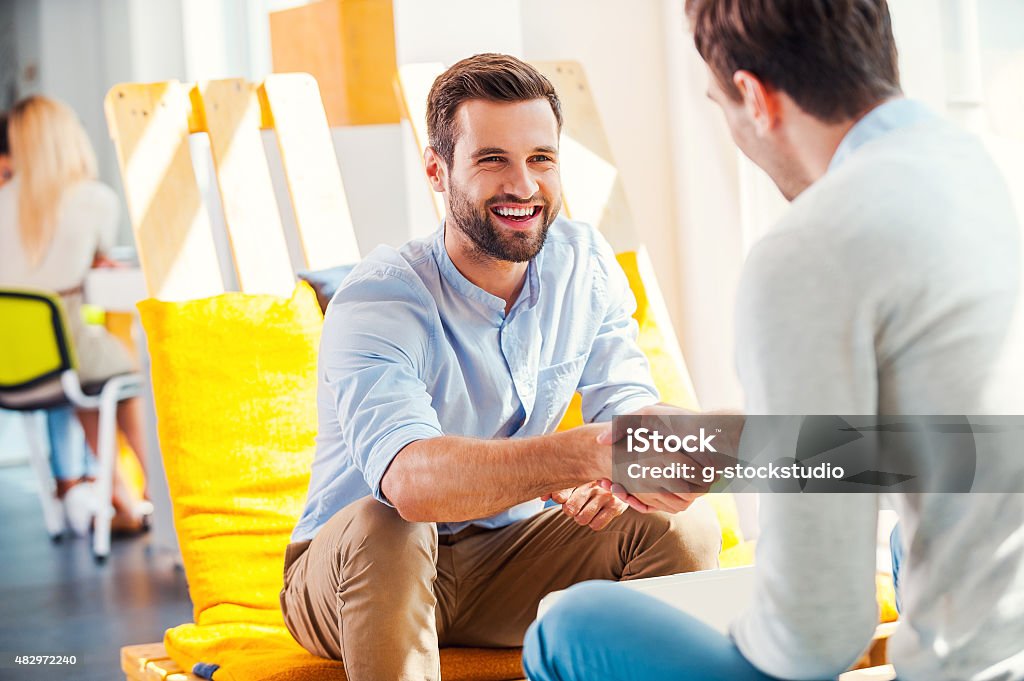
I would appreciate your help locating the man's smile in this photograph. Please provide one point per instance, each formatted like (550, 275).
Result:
(517, 216)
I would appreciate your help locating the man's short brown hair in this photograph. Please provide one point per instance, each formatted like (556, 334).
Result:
(492, 77)
(834, 58)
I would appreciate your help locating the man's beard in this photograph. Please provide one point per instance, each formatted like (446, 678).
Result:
(491, 239)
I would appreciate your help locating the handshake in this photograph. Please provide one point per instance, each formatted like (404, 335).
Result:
(597, 503)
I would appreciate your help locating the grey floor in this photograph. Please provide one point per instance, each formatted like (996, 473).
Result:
(55, 600)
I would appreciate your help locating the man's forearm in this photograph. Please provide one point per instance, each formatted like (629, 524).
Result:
(450, 478)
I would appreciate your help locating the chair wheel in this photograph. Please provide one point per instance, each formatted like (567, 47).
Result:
(100, 560)
(57, 538)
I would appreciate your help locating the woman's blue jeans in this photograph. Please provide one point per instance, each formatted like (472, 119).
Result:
(69, 456)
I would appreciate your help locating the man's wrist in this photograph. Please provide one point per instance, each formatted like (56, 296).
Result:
(586, 460)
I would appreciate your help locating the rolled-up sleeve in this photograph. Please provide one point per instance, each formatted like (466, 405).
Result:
(617, 377)
(375, 345)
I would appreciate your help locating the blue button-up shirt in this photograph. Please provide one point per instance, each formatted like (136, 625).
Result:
(412, 350)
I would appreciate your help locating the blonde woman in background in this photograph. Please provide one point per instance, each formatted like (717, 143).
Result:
(70, 461)
(56, 222)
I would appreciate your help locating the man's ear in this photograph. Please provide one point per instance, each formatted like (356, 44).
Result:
(760, 101)
(437, 172)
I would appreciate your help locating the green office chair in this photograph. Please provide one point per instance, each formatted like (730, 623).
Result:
(38, 371)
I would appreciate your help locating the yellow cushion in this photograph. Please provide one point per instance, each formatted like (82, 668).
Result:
(728, 518)
(885, 593)
(234, 385)
(673, 383)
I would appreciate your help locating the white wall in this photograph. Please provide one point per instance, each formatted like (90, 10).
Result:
(75, 50)
(8, 54)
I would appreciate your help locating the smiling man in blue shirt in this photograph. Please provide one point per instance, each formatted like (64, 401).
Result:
(445, 368)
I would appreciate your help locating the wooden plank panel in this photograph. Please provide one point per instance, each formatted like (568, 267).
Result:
(231, 112)
(149, 126)
(368, 41)
(349, 47)
(412, 85)
(292, 103)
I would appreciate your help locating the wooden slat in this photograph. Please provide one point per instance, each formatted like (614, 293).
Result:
(591, 186)
(292, 104)
(150, 662)
(413, 85)
(149, 127)
(231, 111)
(349, 47)
(882, 673)
(368, 41)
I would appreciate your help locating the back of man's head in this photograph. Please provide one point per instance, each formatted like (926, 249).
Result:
(834, 58)
(491, 77)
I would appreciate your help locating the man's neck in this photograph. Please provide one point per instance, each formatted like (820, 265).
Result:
(500, 278)
(815, 141)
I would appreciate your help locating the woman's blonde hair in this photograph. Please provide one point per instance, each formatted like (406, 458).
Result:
(50, 152)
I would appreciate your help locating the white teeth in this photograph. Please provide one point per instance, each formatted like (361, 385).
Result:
(513, 212)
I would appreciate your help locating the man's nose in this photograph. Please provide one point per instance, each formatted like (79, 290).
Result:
(520, 182)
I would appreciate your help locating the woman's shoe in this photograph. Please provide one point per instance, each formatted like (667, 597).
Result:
(125, 525)
(80, 507)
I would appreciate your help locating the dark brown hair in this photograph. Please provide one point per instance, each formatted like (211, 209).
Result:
(835, 58)
(493, 77)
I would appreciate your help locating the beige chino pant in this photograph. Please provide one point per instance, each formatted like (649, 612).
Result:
(382, 594)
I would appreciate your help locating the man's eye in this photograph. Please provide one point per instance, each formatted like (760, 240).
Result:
(540, 158)
(491, 159)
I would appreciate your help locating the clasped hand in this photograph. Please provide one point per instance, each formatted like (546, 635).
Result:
(675, 501)
(592, 504)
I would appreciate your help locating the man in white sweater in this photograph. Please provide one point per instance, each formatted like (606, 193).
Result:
(892, 286)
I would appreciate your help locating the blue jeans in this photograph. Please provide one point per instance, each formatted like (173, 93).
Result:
(896, 546)
(603, 630)
(69, 456)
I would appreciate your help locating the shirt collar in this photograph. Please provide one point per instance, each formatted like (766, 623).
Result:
(884, 118)
(528, 297)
